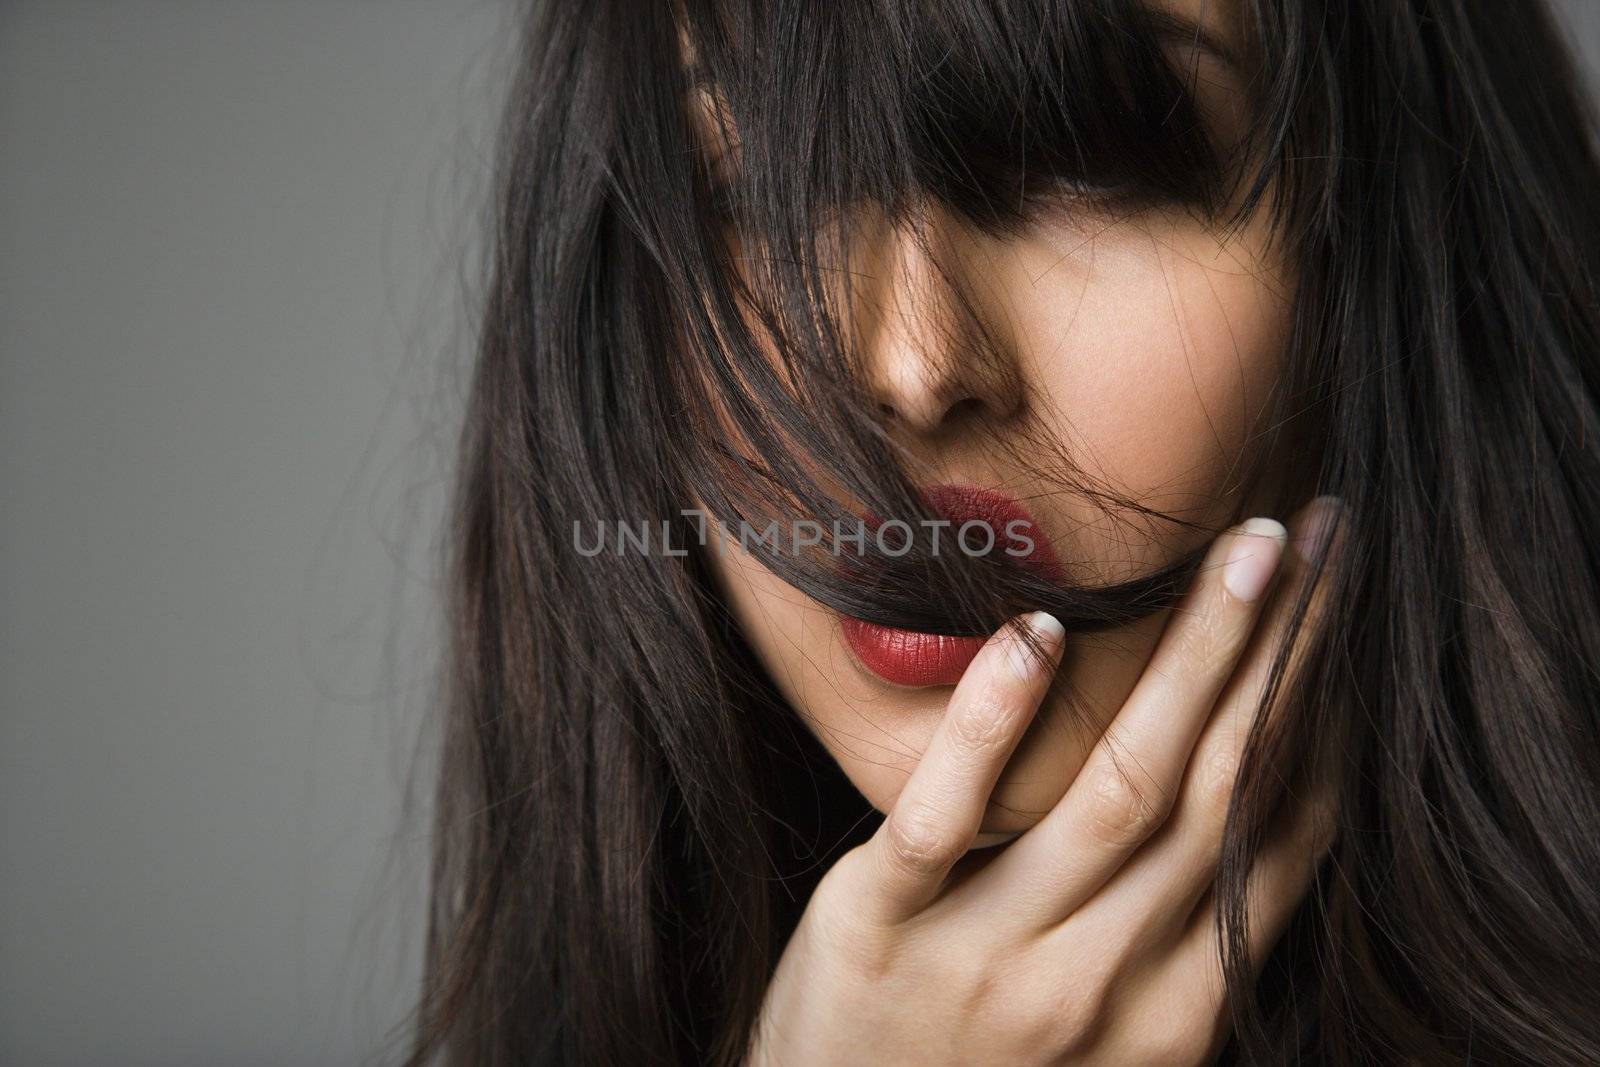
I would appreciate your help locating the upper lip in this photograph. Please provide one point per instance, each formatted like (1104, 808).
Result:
(963, 503)
(914, 658)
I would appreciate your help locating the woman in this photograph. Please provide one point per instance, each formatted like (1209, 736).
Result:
(1244, 354)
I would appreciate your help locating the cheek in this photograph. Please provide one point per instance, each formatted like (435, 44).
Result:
(798, 641)
(1151, 354)
(1153, 350)
(876, 734)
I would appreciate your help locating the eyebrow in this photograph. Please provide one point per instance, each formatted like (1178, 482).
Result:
(1181, 28)
(696, 76)
(1168, 24)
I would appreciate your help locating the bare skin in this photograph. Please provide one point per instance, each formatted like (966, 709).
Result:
(1150, 348)
(1090, 938)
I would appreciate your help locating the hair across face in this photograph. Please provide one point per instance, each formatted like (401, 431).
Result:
(1046, 301)
(1133, 353)
(1134, 269)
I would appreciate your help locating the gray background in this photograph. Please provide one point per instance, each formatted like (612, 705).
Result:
(235, 241)
(232, 237)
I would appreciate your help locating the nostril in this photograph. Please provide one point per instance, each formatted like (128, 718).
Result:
(965, 407)
(934, 416)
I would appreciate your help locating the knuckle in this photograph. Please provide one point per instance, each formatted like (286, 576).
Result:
(836, 925)
(1120, 813)
(984, 995)
(1081, 1020)
(1213, 634)
(1174, 1043)
(918, 843)
(1228, 625)
(982, 728)
(1215, 780)
(1197, 638)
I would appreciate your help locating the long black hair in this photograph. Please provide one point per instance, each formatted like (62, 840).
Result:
(629, 816)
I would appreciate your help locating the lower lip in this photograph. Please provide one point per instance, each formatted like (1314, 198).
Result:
(907, 657)
(915, 659)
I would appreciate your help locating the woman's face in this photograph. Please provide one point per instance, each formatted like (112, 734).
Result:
(1147, 347)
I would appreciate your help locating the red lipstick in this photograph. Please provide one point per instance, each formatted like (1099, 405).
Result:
(912, 658)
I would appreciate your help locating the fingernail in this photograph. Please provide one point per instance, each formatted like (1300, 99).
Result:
(1256, 549)
(1317, 522)
(1047, 630)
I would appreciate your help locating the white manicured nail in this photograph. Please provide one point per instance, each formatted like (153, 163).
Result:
(1049, 632)
(1252, 559)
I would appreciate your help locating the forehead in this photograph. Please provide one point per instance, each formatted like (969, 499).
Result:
(1217, 16)
(1213, 26)
(1217, 25)
(1204, 42)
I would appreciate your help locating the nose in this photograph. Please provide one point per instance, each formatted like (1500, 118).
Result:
(935, 356)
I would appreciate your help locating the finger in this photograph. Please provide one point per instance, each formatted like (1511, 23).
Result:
(1275, 888)
(940, 810)
(1186, 993)
(1174, 872)
(1126, 786)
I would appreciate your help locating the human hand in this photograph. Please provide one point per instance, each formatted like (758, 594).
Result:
(1089, 939)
